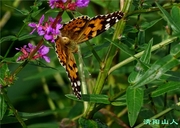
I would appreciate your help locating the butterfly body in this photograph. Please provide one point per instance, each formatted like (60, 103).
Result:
(76, 31)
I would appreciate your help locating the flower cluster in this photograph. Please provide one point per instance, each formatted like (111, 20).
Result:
(41, 53)
(49, 30)
(68, 4)
(45, 28)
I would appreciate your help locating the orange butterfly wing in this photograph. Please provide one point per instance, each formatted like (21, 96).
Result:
(84, 28)
(77, 31)
(67, 60)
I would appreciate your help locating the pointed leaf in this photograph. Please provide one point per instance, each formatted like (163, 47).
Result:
(144, 26)
(24, 12)
(157, 70)
(8, 38)
(134, 98)
(3, 106)
(103, 99)
(4, 73)
(175, 13)
(87, 123)
(123, 47)
(175, 51)
(171, 86)
(26, 37)
(170, 20)
(44, 125)
(141, 66)
(145, 58)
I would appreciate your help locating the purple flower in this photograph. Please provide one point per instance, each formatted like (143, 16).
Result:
(68, 4)
(52, 3)
(24, 51)
(30, 47)
(43, 50)
(45, 29)
(27, 49)
(55, 3)
(51, 33)
(40, 30)
(36, 26)
(64, 1)
(82, 3)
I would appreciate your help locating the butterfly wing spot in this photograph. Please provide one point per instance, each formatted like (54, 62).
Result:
(76, 89)
(109, 19)
(74, 78)
(107, 26)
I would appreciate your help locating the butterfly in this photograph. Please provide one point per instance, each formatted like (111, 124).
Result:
(77, 31)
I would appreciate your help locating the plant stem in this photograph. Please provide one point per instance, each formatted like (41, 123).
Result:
(138, 55)
(105, 66)
(13, 109)
(18, 69)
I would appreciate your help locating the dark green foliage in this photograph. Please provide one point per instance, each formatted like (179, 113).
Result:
(130, 73)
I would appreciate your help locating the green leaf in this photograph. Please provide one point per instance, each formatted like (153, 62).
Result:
(26, 37)
(100, 3)
(3, 106)
(141, 66)
(37, 114)
(157, 70)
(173, 76)
(8, 120)
(35, 13)
(141, 37)
(118, 103)
(44, 125)
(134, 77)
(4, 72)
(13, 59)
(36, 5)
(24, 12)
(55, 10)
(145, 25)
(175, 51)
(98, 47)
(28, 115)
(25, 116)
(175, 13)
(171, 86)
(87, 123)
(145, 58)
(103, 99)
(8, 38)
(170, 20)
(121, 101)
(130, 29)
(123, 47)
(9, 117)
(45, 73)
(176, 107)
(134, 98)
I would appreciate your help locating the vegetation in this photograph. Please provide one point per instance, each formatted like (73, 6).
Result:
(129, 74)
